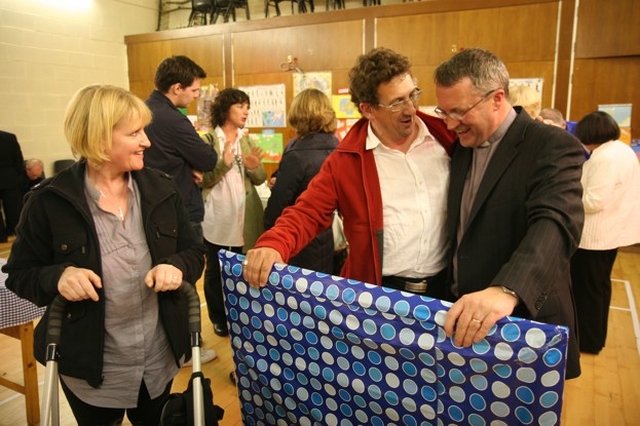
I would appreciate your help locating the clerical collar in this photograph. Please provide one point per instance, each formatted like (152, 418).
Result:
(501, 131)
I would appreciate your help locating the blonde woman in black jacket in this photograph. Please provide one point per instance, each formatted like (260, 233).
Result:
(114, 240)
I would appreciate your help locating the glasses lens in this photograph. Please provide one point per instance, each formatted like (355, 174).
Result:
(399, 106)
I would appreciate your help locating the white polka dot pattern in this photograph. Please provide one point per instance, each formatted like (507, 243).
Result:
(314, 349)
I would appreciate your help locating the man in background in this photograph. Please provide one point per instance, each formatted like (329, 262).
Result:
(514, 211)
(33, 174)
(552, 116)
(11, 172)
(176, 148)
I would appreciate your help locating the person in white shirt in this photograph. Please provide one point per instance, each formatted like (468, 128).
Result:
(611, 201)
(233, 213)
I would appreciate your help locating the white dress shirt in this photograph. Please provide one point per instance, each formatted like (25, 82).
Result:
(224, 207)
(414, 204)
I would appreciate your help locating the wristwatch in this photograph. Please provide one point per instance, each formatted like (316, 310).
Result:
(511, 292)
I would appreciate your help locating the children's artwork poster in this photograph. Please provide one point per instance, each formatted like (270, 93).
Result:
(534, 83)
(622, 114)
(344, 125)
(312, 80)
(271, 144)
(343, 107)
(268, 106)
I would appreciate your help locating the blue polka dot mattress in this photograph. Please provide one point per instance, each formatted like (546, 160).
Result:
(315, 349)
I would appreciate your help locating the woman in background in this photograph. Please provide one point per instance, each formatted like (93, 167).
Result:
(233, 209)
(611, 201)
(114, 239)
(312, 116)
(527, 98)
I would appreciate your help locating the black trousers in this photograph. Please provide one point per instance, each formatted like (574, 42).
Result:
(591, 281)
(213, 283)
(147, 412)
(11, 199)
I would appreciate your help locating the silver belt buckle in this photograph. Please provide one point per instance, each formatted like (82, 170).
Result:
(420, 287)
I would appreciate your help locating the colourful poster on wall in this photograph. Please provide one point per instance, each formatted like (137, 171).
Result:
(622, 114)
(271, 144)
(267, 106)
(311, 348)
(312, 80)
(343, 107)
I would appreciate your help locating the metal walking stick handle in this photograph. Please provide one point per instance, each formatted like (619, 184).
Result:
(50, 409)
(195, 327)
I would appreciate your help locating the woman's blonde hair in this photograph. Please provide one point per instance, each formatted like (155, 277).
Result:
(526, 97)
(311, 112)
(92, 114)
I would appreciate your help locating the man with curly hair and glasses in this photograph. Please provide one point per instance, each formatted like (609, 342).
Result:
(388, 178)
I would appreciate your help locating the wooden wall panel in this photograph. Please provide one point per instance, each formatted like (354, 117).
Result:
(606, 81)
(319, 47)
(144, 58)
(607, 28)
(517, 33)
(521, 32)
(437, 36)
(207, 51)
(427, 39)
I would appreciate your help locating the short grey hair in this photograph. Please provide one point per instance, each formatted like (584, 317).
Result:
(33, 162)
(486, 71)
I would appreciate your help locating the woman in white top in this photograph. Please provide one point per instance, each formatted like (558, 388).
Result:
(611, 198)
(233, 209)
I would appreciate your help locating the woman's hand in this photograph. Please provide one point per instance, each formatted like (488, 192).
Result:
(197, 176)
(229, 153)
(252, 160)
(271, 183)
(76, 284)
(163, 277)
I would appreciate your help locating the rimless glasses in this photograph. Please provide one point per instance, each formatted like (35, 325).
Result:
(398, 106)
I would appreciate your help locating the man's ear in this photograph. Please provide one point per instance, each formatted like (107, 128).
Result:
(367, 110)
(175, 88)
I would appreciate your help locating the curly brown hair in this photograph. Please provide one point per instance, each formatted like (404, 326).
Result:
(380, 65)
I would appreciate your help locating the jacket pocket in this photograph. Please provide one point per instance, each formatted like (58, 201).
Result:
(69, 244)
(166, 230)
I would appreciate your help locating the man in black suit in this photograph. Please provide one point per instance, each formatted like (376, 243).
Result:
(514, 207)
(11, 171)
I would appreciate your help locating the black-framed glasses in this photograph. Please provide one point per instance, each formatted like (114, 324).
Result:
(458, 116)
(398, 106)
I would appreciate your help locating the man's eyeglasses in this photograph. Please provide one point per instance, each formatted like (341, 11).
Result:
(458, 116)
(398, 106)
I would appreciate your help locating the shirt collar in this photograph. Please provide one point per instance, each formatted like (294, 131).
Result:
(373, 142)
(502, 129)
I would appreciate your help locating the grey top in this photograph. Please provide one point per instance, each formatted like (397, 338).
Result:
(135, 347)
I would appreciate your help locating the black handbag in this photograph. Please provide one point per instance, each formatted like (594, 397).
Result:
(178, 410)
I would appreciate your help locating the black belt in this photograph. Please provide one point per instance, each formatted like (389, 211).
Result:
(410, 284)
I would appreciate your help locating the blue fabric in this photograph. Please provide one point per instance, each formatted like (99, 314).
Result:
(311, 348)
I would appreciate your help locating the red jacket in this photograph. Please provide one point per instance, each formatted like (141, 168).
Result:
(348, 181)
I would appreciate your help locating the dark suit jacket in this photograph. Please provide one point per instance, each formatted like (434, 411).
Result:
(11, 161)
(525, 223)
